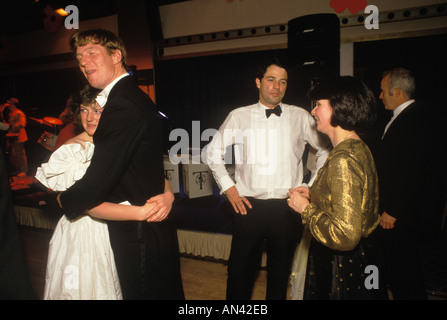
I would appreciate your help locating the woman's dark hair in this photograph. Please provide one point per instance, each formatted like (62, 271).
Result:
(353, 103)
(86, 96)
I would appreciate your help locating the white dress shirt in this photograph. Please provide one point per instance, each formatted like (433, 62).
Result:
(396, 113)
(268, 151)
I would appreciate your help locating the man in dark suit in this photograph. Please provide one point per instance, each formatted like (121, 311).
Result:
(127, 165)
(399, 162)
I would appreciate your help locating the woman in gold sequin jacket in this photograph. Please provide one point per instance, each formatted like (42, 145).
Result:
(340, 209)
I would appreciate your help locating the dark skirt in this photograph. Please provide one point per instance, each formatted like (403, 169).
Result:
(344, 275)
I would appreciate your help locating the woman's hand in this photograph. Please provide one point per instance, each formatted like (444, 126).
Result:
(304, 191)
(298, 199)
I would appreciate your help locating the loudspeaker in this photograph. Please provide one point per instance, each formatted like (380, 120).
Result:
(314, 43)
(313, 50)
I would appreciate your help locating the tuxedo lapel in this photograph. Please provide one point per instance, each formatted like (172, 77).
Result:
(121, 85)
(403, 122)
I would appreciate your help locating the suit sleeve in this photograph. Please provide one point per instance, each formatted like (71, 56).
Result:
(117, 138)
(401, 168)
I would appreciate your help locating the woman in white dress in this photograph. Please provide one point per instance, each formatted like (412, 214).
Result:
(80, 263)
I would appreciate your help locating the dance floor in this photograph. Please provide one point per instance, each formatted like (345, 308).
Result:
(204, 224)
(205, 228)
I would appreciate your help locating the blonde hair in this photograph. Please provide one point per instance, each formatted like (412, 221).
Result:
(105, 38)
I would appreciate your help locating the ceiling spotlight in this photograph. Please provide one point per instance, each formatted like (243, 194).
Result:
(61, 12)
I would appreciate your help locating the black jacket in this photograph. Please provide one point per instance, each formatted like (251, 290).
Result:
(128, 160)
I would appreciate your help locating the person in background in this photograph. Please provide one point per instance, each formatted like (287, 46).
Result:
(4, 127)
(15, 281)
(17, 137)
(400, 159)
(69, 129)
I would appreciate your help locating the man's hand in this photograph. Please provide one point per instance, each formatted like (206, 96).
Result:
(163, 205)
(236, 201)
(387, 221)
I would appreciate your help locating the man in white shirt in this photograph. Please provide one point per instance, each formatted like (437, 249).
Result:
(17, 124)
(269, 140)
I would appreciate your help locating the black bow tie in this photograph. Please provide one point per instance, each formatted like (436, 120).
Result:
(276, 110)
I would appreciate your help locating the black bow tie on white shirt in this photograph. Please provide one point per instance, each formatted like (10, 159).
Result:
(276, 110)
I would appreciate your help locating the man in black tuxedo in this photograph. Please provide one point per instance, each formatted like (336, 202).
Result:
(400, 166)
(127, 165)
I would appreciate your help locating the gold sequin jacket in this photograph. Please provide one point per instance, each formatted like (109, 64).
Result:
(344, 197)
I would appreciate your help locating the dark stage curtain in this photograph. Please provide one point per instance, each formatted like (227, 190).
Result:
(207, 88)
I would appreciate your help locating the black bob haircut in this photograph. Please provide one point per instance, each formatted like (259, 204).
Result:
(353, 103)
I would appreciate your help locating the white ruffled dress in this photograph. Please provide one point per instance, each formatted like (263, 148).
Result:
(80, 263)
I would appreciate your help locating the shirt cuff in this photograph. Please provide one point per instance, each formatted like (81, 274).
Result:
(226, 183)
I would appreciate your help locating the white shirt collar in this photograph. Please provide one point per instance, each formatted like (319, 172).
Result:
(396, 113)
(401, 108)
(101, 98)
(262, 106)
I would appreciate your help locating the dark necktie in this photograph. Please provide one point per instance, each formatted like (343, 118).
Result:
(276, 110)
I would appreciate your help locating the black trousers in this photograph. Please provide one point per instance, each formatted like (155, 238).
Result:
(403, 267)
(147, 260)
(273, 221)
